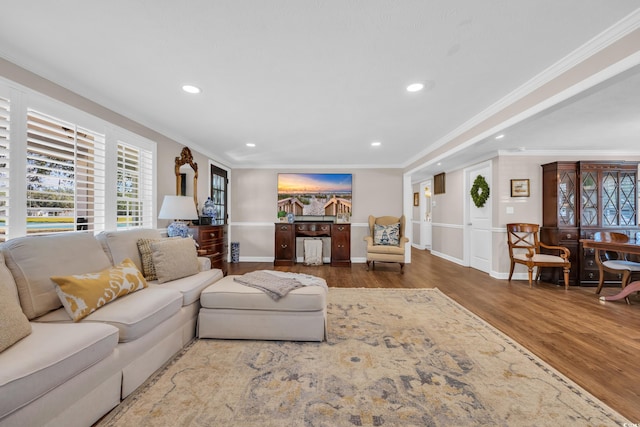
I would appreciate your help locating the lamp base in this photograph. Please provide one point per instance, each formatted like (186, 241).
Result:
(178, 229)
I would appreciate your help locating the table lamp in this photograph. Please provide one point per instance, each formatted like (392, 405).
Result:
(178, 208)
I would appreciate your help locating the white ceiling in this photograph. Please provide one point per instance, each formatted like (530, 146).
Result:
(313, 83)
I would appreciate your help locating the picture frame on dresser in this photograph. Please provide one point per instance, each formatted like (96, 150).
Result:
(342, 218)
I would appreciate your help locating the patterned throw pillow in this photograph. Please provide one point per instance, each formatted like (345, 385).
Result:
(82, 294)
(144, 247)
(388, 235)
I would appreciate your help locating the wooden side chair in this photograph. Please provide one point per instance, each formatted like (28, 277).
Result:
(614, 262)
(524, 248)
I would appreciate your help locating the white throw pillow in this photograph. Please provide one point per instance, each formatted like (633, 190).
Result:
(14, 325)
(174, 258)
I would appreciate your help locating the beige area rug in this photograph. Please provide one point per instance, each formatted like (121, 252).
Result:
(393, 358)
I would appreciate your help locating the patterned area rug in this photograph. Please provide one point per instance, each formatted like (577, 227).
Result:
(393, 358)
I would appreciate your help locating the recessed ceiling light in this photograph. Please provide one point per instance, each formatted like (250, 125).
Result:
(500, 136)
(376, 143)
(439, 163)
(415, 87)
(191, 89)
(250, 144)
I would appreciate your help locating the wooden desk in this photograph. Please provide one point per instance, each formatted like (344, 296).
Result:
(631, 247)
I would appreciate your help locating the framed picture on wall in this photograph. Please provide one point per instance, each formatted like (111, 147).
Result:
(519, 188)
(416, 199)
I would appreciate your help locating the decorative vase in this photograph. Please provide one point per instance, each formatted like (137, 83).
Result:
(209, 209)
(178, 229)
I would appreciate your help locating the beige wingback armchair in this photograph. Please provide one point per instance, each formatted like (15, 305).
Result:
(386, 240)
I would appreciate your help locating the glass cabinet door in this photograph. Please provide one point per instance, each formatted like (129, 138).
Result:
(589, 209)
(628, 213)
(566, 199)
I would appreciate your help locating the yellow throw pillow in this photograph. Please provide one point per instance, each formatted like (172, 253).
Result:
(82, 294)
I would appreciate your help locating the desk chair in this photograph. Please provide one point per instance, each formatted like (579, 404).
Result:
(614, 262)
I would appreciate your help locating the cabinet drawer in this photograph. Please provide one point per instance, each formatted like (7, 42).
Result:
(213, 249)
(567, 236)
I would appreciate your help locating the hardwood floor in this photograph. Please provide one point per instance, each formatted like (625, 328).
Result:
(594, 344)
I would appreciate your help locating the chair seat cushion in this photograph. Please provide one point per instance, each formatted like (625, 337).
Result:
(540, 258)
(622, 265)
(384, 249)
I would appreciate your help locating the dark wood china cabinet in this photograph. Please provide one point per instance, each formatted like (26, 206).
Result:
(581, 198)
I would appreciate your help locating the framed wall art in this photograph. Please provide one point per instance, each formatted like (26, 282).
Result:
(416, 199)
(519, 188)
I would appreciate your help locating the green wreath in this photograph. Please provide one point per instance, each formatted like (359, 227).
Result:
(480, 191)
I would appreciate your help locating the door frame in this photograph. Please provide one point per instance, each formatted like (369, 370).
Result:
(466, 203)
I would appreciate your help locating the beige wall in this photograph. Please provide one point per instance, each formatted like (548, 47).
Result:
(253, 207)
(448, 216)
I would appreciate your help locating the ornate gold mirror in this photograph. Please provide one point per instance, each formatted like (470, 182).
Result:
(185, 169)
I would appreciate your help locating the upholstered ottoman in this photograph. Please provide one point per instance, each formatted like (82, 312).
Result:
(230, 310)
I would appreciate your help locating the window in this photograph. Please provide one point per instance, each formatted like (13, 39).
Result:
(219, 193)
(65, 176)
(134, 187)
(4, 165)
(66, 170)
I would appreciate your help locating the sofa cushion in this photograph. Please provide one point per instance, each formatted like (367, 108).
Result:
(174, 259)
(34, 259)
(14, 325)
(388, 235)
(192, 286)
(82, 294)
(119, 245)
(134, 314)
(229, 294)
(51, 355)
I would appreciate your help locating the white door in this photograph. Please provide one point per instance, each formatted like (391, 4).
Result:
(479, 222)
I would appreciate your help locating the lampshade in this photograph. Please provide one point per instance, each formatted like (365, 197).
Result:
(178, 207)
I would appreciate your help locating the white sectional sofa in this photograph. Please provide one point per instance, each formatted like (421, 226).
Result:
(68, 373)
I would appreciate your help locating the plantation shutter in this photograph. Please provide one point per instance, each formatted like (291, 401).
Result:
(135, 186)
(65, 176)
(5, 119)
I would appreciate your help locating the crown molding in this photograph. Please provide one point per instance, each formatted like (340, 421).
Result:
(622, 28)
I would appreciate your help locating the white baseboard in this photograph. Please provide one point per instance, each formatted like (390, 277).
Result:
(449, 258)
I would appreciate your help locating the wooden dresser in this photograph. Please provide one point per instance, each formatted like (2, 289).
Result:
(213, 244)
(285, 241)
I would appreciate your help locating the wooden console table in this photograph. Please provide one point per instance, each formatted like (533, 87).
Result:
(285, 241)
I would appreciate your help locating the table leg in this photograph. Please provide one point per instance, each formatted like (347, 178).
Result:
(628, 290)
